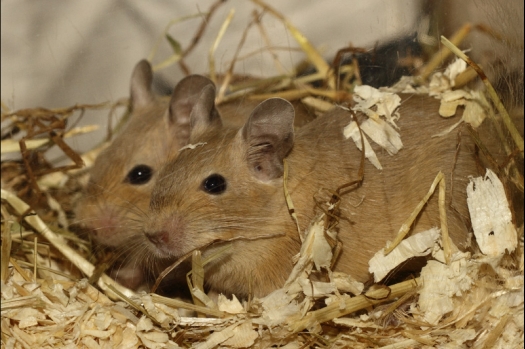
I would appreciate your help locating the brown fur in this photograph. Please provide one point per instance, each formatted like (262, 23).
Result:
(111, 208)
(252, 211)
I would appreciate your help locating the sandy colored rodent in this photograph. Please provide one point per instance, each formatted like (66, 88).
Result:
(192, 206)
(122, 177)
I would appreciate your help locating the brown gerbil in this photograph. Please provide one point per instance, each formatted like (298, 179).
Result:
(230, 187)
(122, 177)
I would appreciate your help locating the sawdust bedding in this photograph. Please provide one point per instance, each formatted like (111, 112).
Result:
(53, 295)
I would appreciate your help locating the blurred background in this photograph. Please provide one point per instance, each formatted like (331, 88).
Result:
(57, 53)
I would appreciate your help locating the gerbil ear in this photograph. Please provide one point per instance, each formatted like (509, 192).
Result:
(192, 106)
(269, 136)
(140, 88)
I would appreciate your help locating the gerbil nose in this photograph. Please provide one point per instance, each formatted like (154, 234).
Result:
(158, 238)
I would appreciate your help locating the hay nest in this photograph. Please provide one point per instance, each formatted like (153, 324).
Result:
(54, 293)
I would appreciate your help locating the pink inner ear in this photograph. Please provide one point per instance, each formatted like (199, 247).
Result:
(269, 135)
(268, 169)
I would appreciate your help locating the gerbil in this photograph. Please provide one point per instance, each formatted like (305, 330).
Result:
(122, 177)
(231, 187)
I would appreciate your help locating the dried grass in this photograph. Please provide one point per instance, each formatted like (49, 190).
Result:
(459, 300)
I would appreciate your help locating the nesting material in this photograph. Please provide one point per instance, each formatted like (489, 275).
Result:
(417, 245)
(440, 86)
(491, 216)
(471, 299)
(381, 109)
(375, 103)
(352, 131)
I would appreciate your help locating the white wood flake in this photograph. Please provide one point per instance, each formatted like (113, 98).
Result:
(491, 216)
(232, 306)
(351, 131)
(383, 134)
(417, 245)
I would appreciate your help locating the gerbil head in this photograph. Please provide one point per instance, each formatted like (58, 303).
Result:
(122, 177)
(228, 187)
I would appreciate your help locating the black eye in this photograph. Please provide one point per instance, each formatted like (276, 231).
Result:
(214, 184)
(140, 174)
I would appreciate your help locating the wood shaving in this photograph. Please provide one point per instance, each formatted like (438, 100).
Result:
(192, 146)
(352, 131)
(460, 299)
(491, 216)
(417, 245)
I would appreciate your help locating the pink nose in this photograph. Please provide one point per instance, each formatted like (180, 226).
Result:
(158, 238)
